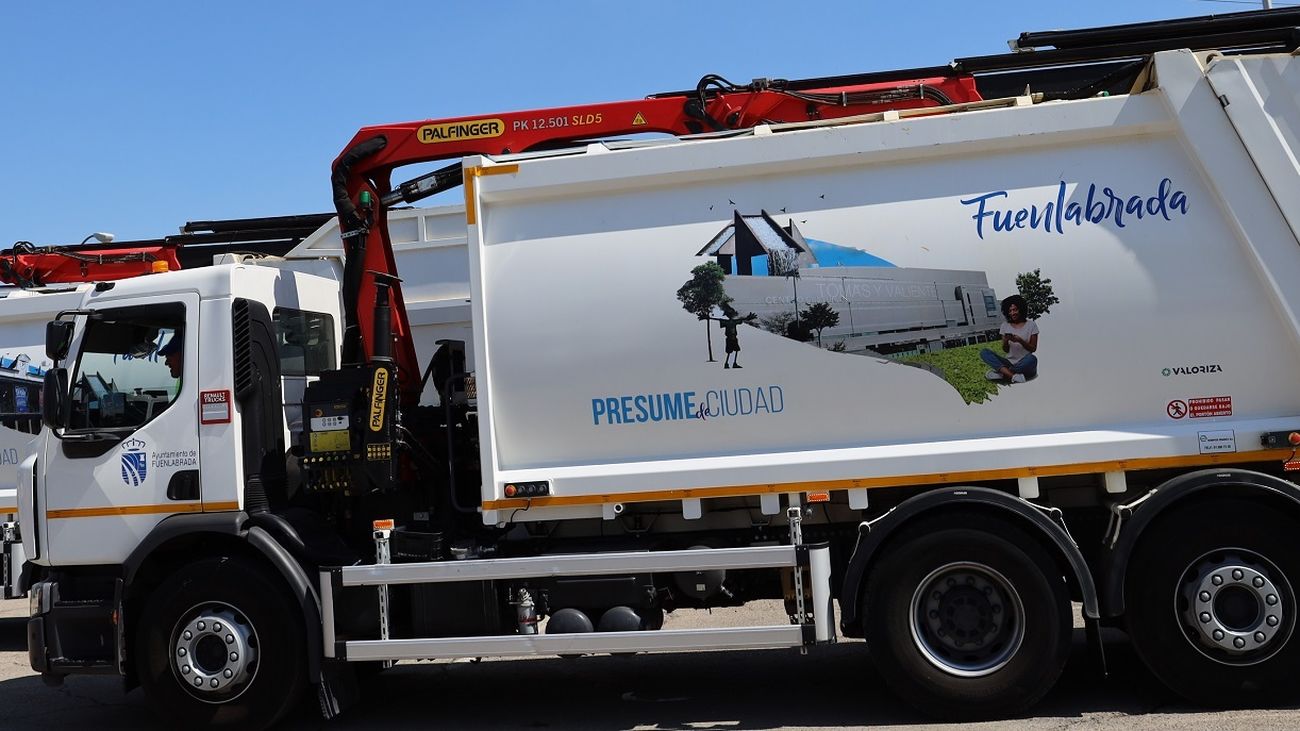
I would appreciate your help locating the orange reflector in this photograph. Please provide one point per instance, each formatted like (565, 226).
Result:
(383, 524)
(819, 497)
(158, 267)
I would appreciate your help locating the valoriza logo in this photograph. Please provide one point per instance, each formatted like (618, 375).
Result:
(1192, 370)
(135, 462)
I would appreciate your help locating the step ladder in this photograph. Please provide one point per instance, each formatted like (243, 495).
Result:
(813, 622)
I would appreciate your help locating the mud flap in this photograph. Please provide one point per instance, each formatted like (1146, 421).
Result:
(338, 689)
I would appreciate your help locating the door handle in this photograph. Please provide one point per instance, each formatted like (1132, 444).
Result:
(184, 485)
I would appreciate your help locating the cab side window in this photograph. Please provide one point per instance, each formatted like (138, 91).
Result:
(305, 341)
(130, 367)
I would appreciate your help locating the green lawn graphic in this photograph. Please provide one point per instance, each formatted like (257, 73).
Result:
(962, 368)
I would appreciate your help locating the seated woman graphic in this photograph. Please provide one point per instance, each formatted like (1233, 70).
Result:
(1019, 343)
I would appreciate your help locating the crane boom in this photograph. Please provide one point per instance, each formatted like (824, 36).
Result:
(25, 265)
(363, 190)
(28, 265)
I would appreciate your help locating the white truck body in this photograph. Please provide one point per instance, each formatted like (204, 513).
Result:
(431, 251)
(1142, 209)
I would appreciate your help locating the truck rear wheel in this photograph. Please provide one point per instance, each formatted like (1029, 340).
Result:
(218, 644)
(968, 623)
(1211, 603)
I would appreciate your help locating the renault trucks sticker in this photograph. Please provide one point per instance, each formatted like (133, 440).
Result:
(214, 407)
(135, 462)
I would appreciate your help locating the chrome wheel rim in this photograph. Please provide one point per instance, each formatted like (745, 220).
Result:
(967, 619)
(214, 652)
(1235, 606)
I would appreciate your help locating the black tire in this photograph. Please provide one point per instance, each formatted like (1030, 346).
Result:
(1168, 571)
(269, 679)
(1015, 662)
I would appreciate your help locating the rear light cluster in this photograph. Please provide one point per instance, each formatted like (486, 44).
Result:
(1280, 439)
(528, 489)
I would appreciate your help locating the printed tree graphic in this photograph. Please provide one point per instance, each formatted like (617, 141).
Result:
(1037, 291)
(703, 292)
(818, 317)
(778, 323)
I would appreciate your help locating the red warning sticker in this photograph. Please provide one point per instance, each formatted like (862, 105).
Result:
(214, 407)
(1200, 408)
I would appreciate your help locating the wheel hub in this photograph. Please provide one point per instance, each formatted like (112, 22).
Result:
(967, 619)
(1234, 608)
(214, 652)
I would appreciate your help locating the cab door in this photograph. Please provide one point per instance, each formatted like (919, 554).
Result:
(129, 457)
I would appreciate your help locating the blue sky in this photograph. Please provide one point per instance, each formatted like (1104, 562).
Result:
(134, 117)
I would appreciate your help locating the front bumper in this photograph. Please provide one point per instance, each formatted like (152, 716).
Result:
(75, 635)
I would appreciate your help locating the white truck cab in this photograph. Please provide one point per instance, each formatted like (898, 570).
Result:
(150, 402)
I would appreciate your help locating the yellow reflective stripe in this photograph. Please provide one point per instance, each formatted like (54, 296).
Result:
(220, 507)
(118, 510)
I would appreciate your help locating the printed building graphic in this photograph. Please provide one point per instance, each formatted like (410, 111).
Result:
(751, 237)
(882, 310)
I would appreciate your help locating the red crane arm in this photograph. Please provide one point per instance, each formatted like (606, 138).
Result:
(30, 266)
(685, 113)
(363, 189)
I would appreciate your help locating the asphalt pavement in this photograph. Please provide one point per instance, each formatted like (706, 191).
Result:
(830, 688)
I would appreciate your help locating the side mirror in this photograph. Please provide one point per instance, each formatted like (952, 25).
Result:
(54, 398)
(58, 336)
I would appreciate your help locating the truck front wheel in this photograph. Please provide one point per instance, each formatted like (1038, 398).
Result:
(1211, 603)
(218, 644)
(968, 623)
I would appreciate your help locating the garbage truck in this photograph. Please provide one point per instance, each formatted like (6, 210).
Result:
(22, 364)
(1100, 229)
